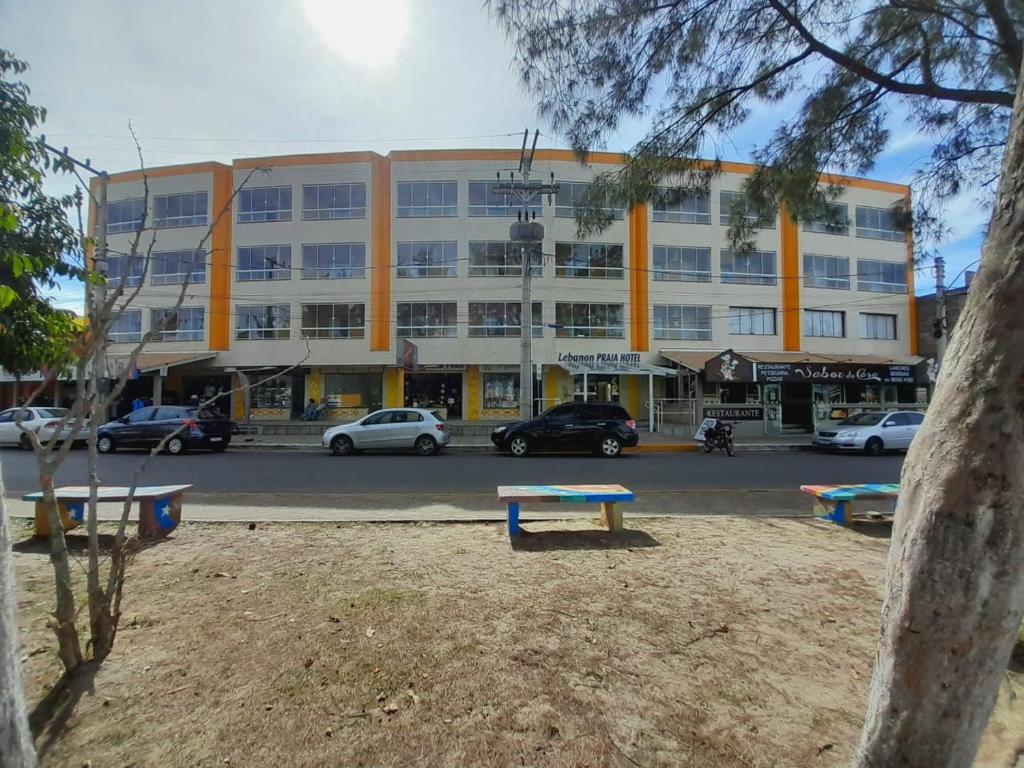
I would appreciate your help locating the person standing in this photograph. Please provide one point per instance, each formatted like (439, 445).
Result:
(138, 404)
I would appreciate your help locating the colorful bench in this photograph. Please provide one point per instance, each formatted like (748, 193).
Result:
(159, 506)
(834, 503)
(605, 495)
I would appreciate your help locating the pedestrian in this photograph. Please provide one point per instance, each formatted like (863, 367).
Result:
(310, 414)
(138, 404)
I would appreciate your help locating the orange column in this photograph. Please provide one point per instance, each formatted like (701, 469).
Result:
(639, 308)
(790, 282)
(380, 257)
(219, 310)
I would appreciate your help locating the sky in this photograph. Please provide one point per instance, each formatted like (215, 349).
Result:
(204, 80)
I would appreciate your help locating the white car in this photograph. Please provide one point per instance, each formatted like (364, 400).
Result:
(43, 421)
(872, 432)
(420, 429)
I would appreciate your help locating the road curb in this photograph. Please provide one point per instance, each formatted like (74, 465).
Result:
(486, 447)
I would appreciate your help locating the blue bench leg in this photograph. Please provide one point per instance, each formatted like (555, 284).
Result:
(513, 518)
(839, 514)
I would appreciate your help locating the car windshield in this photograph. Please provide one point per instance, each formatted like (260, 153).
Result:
(862, 420)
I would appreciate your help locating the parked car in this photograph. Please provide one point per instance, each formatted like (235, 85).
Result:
(43, 421)
(419, 429)
(196, 428)
(604, 428)
(871, 431)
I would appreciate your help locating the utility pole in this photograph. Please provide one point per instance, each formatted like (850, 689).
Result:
(526, 234)
(939, 323)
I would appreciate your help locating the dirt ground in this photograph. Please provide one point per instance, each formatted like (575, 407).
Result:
(685, 642)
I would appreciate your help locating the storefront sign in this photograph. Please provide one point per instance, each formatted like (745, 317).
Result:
(729, 366)
(734, 412)
(824, 373)
(440, 368)
(619, 358)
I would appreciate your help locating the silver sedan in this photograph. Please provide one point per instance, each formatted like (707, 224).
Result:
(43, 421)
(418, 429)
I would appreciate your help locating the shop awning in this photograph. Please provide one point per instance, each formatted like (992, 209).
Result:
(693, 361)
(615, 369)
(808, 357)
(154, 361)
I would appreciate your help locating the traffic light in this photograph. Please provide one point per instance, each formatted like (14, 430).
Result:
(937, 328)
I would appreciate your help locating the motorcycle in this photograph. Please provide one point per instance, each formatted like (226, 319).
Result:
(719, 435)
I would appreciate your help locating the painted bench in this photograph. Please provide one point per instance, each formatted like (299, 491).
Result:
(159, 506)
(605, 495)
(834, 503)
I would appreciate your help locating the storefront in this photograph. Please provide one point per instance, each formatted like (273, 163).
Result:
(436, 387)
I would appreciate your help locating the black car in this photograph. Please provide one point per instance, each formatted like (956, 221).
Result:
(604, 428)
(196, 428)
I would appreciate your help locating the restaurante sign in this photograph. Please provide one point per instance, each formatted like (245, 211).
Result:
(731, 366)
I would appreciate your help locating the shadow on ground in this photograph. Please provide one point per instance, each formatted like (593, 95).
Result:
(78, 544)
(49, 720)
(546, 541)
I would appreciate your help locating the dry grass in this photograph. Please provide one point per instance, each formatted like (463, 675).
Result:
(694, 642)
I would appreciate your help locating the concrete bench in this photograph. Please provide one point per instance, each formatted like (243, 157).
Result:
(605, 495)
(834, 503)
(159, 506)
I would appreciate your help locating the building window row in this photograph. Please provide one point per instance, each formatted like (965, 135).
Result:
(871, 223)
(872, 276)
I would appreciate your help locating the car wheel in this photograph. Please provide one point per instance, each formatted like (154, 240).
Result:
(611, 446)
(341, 445)
(175, 446)
(425, 445)
(519, 445)
(24, 443)
(707, 447)
(105, 445)
(874, 447)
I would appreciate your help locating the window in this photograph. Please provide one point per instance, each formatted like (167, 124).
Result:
(501, 391)
(187, 210)
(751, 321)
(126, 269)
(427, 319)
(175, 267)
(826, 271)
(501, 259)
(265, 204)
(570, 195)
(427, 259)
(875, 326)
(334, 201)
(878, 224)
(501, 318)
(820, 323)
(264, 262)
(835, 221)
(263, 321)
(181, 324)
(881, 276)
(684, 206)
(334, 261)
(686, 265)
(594, 260)
(333, 321)
(141, 415)
(428, 199)
(728, 200)
(756, 268)
(125, 215)
(127, 327)
(596, 321)
(483, 201)
(682, 322)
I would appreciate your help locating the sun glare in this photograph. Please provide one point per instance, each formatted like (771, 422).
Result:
(364, 32)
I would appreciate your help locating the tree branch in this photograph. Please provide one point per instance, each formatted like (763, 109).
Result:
(1009, 41)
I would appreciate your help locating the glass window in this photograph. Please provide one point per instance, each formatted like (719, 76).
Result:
(752, 321)
(881, 276)
(501, 391)
(824, 324)
(143, 414)
(826, 271)
(570, 195)
(876, 326)
(265, 204)
(125, 215)
(272, 392)
(914, 418)
(597, 321)
(685, 206)
(501, 318)
(836, 221)
(263, 321)
(126, 269)
(501, 259)
(687, 265)
(127, 327)
(484, 202)
(175, 267)
(186, 210)
(334, 261)
(728, 200)
(333, 321)
(878, 224)
(181, 324)
(264, 262)
(427, 259)
(755, 268)
(427, 319)
(594, 260)
(428, 199)
(334, 201)
(353, 390)
(682, 322)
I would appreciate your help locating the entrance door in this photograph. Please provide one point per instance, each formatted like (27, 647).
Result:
(435, 390)
(797, 413)
(298, 394)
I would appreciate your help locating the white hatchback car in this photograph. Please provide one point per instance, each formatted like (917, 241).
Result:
(398, 429)
(43, 421)
(872, 432)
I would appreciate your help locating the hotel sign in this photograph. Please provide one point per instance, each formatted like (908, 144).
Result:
(615, 358)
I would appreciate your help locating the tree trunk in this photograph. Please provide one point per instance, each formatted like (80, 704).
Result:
(68, 647)
(955, 576)
(16, 749)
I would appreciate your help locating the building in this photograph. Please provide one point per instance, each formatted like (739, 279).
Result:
(357, 253)
(956, 298)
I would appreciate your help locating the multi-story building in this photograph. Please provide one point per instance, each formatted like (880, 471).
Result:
(333, 261)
